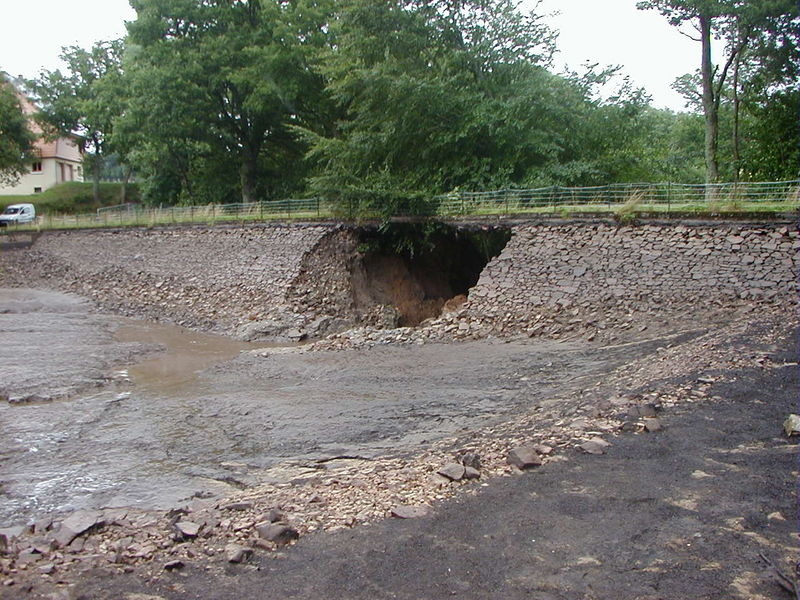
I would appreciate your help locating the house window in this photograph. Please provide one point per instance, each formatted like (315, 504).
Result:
(37, 190)
(37, 167)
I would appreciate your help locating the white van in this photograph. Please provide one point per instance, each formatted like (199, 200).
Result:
(17, 214)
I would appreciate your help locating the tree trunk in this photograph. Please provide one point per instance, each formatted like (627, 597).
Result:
(125, 179)
(248, 174)
(710, 109)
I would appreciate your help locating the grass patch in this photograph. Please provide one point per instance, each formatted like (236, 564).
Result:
(74, 198)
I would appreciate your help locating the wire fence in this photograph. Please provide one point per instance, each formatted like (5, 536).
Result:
(629, 198)
(633, 197)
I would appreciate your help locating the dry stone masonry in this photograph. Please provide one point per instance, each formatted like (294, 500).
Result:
(207, 277)
(279, 281)
(590, 266)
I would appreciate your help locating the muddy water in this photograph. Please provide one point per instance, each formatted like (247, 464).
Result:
(112, 447)
(186, 353)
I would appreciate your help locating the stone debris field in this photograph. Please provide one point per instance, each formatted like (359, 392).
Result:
(321, 413)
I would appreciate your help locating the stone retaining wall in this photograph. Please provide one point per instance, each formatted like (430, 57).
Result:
(274, 280)
(603, 267)
(207, 277)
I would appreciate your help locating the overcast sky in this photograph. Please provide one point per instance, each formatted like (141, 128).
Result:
(610, 32)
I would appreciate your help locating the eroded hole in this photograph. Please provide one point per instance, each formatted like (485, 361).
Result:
(407, 273)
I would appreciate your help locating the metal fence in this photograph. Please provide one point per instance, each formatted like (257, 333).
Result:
(617, 198)
(657, 197)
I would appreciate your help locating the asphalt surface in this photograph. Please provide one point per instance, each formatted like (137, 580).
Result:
(687, 512)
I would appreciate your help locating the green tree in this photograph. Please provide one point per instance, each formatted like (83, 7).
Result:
(16, 139)
(434, 95)
(227, 79)
(83, 100)
(739, 25)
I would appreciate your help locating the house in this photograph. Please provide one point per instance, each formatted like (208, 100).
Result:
(59, 160)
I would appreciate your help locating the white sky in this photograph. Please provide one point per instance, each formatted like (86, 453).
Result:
(610, 32)
(614, 32)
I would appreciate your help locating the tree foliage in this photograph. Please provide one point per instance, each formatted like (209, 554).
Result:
(84, 100)
(226, 79)
(387, 104)
(759, 38)
(16, 139)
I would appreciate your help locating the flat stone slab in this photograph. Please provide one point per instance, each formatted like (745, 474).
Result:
(76, 524)
(524, 457)
(453, 471)
(594, 446)
(188, 528)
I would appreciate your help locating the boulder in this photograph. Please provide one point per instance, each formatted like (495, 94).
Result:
(524, 457)
(453, 471)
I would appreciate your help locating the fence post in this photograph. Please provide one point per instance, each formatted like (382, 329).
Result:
(669, 196)
(318, 203)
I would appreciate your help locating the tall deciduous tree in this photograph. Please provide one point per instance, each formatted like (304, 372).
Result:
(436, 95)
(231, 76)
(83, 100)
(16, 139)
(738, 24)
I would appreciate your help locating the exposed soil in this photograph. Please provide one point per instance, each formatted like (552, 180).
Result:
(417, 272)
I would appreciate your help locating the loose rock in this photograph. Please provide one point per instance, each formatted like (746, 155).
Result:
(174, 565)
(187, 528)
(77, 524)
(453, 471)
(524, 457)
(792, 425)
(652, 425)
(279, 533)
(410, 512)
(234, 553)
(593, 447)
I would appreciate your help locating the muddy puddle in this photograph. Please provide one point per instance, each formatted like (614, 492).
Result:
(205, 417)
(183, 355)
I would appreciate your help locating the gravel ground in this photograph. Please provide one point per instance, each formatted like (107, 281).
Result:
(651, 478)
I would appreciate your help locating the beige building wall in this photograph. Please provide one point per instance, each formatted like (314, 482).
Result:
(54, 171)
